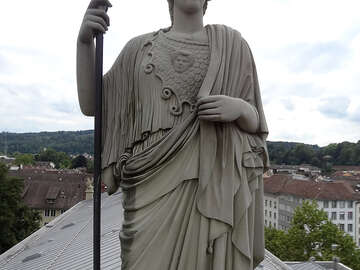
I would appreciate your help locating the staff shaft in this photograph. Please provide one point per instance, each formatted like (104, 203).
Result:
(97, 151)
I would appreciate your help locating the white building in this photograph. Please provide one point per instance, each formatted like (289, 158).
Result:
(337, 199)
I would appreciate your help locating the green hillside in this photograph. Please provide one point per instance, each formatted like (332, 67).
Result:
(79, 142)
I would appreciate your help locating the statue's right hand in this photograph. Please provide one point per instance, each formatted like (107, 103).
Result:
(95, 20)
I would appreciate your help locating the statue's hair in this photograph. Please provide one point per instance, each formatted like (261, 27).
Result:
(171, 8)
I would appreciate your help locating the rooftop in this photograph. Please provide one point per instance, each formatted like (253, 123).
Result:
(66, 242)
(285, 184)
(52, 189)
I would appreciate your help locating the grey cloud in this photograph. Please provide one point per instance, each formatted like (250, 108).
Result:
(33, 91)
(317, 58)
(355, 115)
(335, 107)
(5, 66)
(21, 50)
(304, 90)
(288, 104)
(286, 90)
(63, 107)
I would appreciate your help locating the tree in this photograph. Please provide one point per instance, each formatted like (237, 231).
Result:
(24, 159)
(312, 235)
(79, 162)
(17, 221)
(60, 159)
(275, 241)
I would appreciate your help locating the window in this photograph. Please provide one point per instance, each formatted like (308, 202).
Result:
(333, 204)
(342, 204)
(333, 215)
(326, 204)
(350, 204)
(270, 202)
(275, 215)
(265, 213)
(53, 212)
(342, 227)
(270, 214)
(275, 205)
(265, 222)
(47, 212)
(270, 224)
(265, 202)
(275, 225)
(342, 215)
(350, 227)
(350, 215)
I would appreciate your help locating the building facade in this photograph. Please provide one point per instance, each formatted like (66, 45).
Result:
(338, 199)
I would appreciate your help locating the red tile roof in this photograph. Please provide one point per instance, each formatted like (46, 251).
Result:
(284, 184)
(52, 189)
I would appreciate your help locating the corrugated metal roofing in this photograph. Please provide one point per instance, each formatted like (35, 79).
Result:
(66, 242)
(307, 266)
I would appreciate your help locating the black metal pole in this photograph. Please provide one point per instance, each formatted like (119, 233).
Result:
(97, 150)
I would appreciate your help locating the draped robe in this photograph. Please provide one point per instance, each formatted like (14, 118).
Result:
(193, 198)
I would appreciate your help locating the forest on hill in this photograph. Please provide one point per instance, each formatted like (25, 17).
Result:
(79, 142)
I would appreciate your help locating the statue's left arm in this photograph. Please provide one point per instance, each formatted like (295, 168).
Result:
(241, 103)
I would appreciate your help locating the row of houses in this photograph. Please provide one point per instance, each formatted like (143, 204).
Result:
(339, 199)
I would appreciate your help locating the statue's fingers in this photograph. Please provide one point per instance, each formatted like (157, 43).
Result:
(97, 27)
(207, 99)
(99, 12)
(212, 118)
(209, 105)
(97, 19)
(213, 111)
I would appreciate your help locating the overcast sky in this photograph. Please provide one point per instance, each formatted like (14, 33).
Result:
(307, 54)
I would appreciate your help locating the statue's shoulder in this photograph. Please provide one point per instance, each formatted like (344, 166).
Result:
(137, 42)
(221, 28)
(230, 34)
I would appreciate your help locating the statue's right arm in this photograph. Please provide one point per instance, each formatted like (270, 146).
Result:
(95, 21)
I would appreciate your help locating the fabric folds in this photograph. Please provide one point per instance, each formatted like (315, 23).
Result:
(199, 187)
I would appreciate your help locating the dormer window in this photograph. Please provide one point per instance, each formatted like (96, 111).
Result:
(52, 194)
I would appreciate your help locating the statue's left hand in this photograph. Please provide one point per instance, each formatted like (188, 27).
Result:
(221, 108)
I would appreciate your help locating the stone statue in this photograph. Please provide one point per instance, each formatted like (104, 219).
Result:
(184, 138)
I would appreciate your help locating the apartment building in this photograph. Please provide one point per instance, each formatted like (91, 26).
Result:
(338, 199)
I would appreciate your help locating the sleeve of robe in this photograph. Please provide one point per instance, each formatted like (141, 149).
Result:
(118, 103)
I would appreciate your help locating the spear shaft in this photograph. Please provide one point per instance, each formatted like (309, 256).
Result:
(97, 151)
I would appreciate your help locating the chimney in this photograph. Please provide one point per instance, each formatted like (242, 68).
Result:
(89, 192)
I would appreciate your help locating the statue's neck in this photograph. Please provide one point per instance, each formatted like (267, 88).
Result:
(187, 23)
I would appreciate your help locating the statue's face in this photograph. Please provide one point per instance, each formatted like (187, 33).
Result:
(189, 6)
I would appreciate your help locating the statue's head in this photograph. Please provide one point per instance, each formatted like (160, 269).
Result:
(172, 2)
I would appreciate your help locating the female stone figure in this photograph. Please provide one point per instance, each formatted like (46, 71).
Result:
(184, 138)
